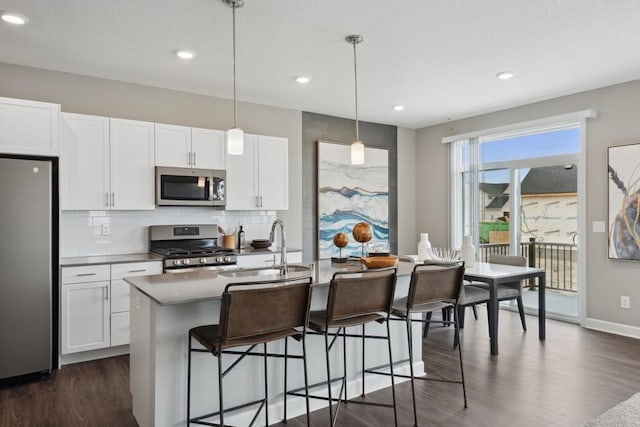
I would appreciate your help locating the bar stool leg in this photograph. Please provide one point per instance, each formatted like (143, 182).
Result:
(393, 387)
(344, 362)
(363, 365)
(326, 352)
(306, 377)
(413, 386)
(189, 382)
(286, 354)
(220, 388)
(266, 388)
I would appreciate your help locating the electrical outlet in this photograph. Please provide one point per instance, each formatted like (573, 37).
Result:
(625, 302)
(598, 227)
(105, 229)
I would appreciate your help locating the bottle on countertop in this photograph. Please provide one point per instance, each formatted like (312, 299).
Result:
(241, 238)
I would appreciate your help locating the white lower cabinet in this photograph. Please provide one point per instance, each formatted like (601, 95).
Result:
(85, 316)
(95, 304)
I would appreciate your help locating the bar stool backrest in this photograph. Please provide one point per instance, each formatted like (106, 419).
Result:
(359, 294)
(257, 308)
(435, 282)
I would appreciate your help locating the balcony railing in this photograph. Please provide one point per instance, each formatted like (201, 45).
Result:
(560, 261)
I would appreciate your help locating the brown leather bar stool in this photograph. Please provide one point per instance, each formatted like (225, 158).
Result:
(432, 288)
(252, 314)
(354, 299)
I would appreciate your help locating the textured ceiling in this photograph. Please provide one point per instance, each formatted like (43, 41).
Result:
(437, 57)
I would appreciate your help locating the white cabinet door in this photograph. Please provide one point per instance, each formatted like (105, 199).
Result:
(85, 317)
(29, 127)
(242, 176)
(273, 173)
(208, 149)
(84, 162)
(132, 165)
(173, 146)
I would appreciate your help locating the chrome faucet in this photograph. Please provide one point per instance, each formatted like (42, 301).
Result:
(283, 244)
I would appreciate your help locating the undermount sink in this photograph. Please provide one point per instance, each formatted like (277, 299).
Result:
(269, 271)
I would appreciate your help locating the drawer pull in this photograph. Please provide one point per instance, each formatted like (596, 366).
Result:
(138, 271)
(85, 274)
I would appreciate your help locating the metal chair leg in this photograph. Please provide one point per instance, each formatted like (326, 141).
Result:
(521, 311)
(344, 362)
(413, 386)
(464, 388)
(393, 387)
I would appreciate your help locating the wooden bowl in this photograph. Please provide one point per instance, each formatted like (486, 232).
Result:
(260, 243)
(379, 261)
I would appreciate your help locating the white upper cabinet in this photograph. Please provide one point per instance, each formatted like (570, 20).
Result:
(132, 165)
(106, 163)
(173, 146)
(84, 162)
(259, 178)
(181, 146)
(29, 127)
(208, 149)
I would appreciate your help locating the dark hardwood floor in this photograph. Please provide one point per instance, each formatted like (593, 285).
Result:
(571, 378)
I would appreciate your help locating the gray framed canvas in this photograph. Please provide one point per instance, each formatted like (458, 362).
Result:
(624, 201)
(348, 194)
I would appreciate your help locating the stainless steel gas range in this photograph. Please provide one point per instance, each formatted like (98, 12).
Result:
(190, 247)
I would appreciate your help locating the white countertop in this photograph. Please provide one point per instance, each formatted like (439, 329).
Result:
(107, 259)
(180, 288)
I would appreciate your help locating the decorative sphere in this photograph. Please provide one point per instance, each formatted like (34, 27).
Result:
(362, 232)
(340, 240)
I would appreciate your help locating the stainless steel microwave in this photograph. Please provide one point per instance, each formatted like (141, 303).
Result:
(190, 187)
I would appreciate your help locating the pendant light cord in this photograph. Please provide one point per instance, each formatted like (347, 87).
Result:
(235, 102)
(355, 74)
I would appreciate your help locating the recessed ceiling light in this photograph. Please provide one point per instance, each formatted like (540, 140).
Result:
(303, 80)
(14, 18)
(398, 107)
(505, 75)
(185, 54)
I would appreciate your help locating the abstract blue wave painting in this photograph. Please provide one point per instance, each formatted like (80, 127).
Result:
(348, 194)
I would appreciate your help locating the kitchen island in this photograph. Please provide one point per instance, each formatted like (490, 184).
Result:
(165, 307)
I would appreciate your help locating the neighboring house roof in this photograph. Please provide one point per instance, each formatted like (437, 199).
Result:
(492, 188)
(498, 202)
(550, 180)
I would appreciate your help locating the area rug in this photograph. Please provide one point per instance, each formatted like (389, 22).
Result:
(625, 414)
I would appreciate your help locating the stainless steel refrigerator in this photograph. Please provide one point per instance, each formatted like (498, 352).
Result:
(28, 265)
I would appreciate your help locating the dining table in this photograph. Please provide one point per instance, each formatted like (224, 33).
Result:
(496, 274)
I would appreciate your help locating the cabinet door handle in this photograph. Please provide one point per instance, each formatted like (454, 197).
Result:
(257, 205)
(85, 274)
(138, 271)
(106, 199)
(106, 292)
(194, 159)
(113, 199)
(260, 201)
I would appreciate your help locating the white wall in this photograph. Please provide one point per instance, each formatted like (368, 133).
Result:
(617, 123)
(407, 231)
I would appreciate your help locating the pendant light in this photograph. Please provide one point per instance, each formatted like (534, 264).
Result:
(357, 147)
(235, 135)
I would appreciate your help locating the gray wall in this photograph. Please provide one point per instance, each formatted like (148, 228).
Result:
(89, 95)
(617, 123)
(407, 230)
(317, 127)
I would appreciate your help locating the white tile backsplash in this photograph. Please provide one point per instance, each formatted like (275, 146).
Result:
(81, 231)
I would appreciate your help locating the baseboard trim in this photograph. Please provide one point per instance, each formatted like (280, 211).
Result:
(85, 356)
(612, 328)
